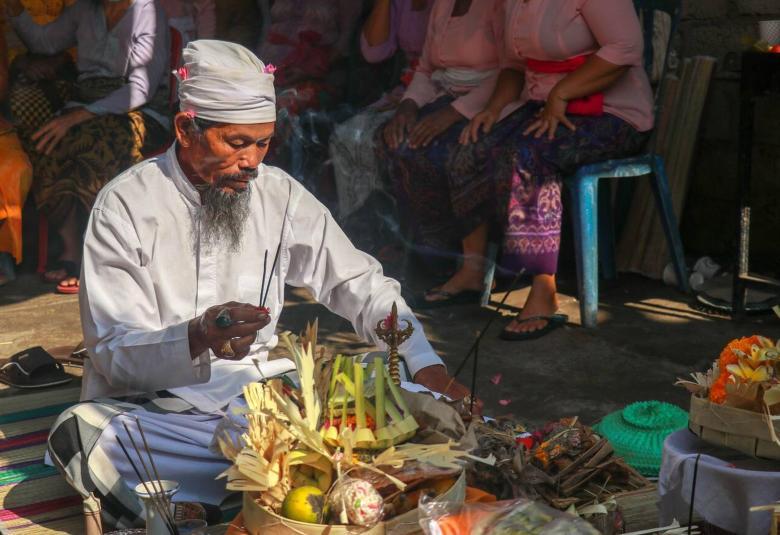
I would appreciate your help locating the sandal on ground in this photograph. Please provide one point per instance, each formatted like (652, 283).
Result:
(71, 269)
(446, 299)
(69, 289)
(33, 368)
(553, 322)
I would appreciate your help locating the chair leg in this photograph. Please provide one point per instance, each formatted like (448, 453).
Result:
(606, 234)
(491, 257)
(585, 218)
(663, 198)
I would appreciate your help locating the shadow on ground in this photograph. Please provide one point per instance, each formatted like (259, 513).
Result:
(647, 337)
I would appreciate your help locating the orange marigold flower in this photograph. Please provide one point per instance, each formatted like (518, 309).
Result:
(728, 356)
(542, 456)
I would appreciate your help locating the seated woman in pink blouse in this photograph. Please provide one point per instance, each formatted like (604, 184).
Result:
(456, 75)
(391, 26)
(576, 68)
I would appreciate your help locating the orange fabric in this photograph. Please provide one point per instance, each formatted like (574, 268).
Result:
(15, 182)
(475, 495)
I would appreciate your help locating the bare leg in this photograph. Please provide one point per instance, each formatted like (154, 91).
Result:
(69, 232)
(541, 301)
(471, 275)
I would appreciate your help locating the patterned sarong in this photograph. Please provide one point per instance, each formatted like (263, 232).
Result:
(508, 180)
(72, 447)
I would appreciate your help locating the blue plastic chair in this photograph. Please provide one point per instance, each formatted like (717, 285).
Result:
(591, 207)
(591, 210)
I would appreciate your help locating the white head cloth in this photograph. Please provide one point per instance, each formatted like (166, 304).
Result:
(226, 83)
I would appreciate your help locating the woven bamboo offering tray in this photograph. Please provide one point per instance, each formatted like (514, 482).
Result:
(342, 451)
(736, 403)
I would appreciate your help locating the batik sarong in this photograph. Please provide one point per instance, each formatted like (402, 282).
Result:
(508, 180)
(91, 153)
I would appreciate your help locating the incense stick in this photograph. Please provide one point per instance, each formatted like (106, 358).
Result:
(693, 492)
(165, 500)
(158, 497)
(160, 510)
(264, 293)
(148, 451)
(152, 495)
(165, 509)
(271, 275)
(475, 346)
(262, 281)
(481, 333)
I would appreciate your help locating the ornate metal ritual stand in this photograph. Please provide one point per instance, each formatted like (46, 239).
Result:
(388, 331)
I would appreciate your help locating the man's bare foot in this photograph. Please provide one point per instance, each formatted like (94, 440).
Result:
(541, 301)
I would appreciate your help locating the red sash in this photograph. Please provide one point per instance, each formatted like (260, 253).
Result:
(588, 105)
(307, 55)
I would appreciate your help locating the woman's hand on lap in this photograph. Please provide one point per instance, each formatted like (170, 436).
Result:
(483, 121)
(431, 126)
(402, 122)
(552, 115)
(49, 135)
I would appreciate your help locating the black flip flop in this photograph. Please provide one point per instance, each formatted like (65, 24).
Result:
(33, 368)
(465, 297)
(553, 322)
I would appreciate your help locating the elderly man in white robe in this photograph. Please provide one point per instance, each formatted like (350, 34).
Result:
(174, 256)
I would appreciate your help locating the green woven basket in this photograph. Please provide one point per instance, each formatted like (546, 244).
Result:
(637, 432)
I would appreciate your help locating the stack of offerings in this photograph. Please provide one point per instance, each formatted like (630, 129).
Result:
(340, 452)
(736, 403)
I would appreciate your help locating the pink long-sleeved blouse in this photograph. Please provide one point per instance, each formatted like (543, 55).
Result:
(466, 48)
(557, 30)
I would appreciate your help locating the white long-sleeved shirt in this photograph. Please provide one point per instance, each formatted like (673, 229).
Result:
(145, 274)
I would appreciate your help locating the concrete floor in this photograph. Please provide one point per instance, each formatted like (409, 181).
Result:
(647, 337)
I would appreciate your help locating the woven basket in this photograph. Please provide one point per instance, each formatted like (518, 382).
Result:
(259, 520)
(637, 432)
(738, 429)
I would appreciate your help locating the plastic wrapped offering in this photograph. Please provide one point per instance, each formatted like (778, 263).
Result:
(356, 502)
(511, 517)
